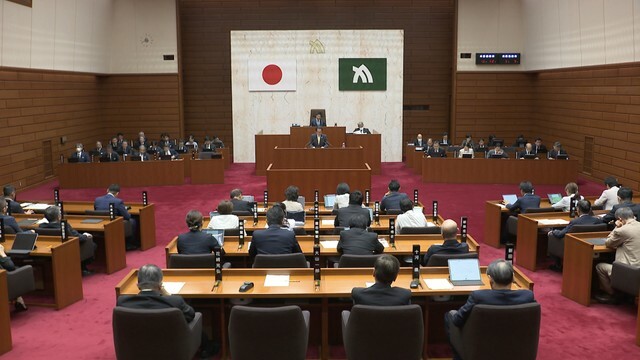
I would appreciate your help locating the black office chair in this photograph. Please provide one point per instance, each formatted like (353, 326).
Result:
(443, 259)
(20, 281)
(298, 216)
(268, 261)
(625, 278)
(512, 229)
(420, 230)
(393, 212)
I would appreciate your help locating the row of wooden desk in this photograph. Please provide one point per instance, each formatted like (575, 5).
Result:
(323, 298)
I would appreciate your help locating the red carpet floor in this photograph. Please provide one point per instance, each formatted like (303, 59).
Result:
(83, 330)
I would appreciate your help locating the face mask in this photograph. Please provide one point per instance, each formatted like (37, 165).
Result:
(79, 149)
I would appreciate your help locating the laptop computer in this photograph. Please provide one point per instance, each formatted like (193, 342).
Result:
(218, 234)
(562, 157)
(463, 272)
(554, 198)
(329, 201)
(496, 156)
(248, 198)
(135, 158)
(165, 157)
(23, 244)
(510, 198)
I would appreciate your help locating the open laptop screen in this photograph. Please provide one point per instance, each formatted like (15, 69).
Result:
(248, 198)
(554, 198)
(329, 200)
(510, 198)
(218, 234)
(464, 270)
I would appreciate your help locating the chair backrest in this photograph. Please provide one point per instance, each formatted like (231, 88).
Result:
(357, 260)
(242, 213)
(154, 334)
(196, 261)
(588, 228)
(313, 112)
(267, 261)
(384, 332)
(48, 231)
(8, 230)
(295, 215)
(20, 282)
(540, 210)
(420, 230)
(252, 334)
(519, 342)
(443, 259)
(512, 225)
(625, 278)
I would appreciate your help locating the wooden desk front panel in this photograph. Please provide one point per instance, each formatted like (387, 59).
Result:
(300, 136)
(209, 171)
(527, 245)
(323, 180)
(5, 317)
(577, 271)
(328, 158)
(498, 171)
(125, 173)
(265, 145)
(371, 144)
(408, 150)
(417, 161)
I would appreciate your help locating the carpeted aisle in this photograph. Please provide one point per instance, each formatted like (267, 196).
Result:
(83, 330)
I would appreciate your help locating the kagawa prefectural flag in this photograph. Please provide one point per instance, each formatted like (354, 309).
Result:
(272, 75)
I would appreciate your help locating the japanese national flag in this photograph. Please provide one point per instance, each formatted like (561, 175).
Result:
(272, 75)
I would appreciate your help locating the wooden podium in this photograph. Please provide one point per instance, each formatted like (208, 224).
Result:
(317, 169)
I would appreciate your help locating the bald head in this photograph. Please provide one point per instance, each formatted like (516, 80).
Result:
(449, 230)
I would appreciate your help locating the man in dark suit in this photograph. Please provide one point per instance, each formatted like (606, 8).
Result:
(102, 203)
(391, 200)
(168, 151)
(318, 140)
(625, 199)
(142, 152)
(539, 147)
(361, 129)
(99, 151)
(125, 149)
(419, 142)
(528, 150)
(436, 151)
(13, 207)
(357, 240)
(111, 154)
(80, 154)
(557, 150)
(500, 274)
(195, 241)
(87, 246)
(152, 295)
(497, 151)
(238, 203)
(9, 221)
(527, 201)
(142, 140)
(115, 145)
(318, 121)
(275, 239)
(355, 208)
(450, 245)
(381, 293)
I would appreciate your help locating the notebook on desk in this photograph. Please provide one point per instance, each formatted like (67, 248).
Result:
(23, 244)
(218, 234)
(464, 272)
(510, 198)
(554, 198)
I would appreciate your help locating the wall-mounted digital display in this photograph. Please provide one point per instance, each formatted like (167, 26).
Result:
(497, 58)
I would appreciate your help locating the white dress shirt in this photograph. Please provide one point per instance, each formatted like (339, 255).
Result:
(229, 221)
(412, 218)
(565, 203)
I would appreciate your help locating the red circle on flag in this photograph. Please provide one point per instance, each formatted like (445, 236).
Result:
(272, 74)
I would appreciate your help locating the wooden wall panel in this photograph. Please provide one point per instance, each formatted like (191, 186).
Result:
(37, 106)
(205, 52)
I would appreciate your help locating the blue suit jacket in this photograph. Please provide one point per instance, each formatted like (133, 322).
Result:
(610, 216)
(274, 240)
(10, 222)
(525, 202)
(83, 158)
(102, 203)
(581, 220)
(392, 201)
(491, 297)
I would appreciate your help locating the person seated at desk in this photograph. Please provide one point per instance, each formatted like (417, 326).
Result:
(527, 201)
(225, 219)
(318, 140)
(141, 141)
(120, 137)
(114, 143)
(557, 151)
(164, 140)
(481, 146)
(418, 142)
(625, 200)
(80, 154)
(609, 197)
(217, 143)
(436, 151)
(450, 245)
(111, 154)
(497, 152)
(520, 141)
(355, 208)
(7, 264)
(361, 129)
(191, 142)
(181, 148)
(625, 238)
(125, 149)
(207, 146)
(53, 216)
(195, 241)
(342, 197)
(468, 140)
(466, 150)
(500, 274)
(445, 139)
(142, 152)
(318, 121)
(13, 207)
(409, 217)
(357, 240)
(291, 196)
(152, 295)
(539, 147)
(101, 203)
(9, 221)
(528, 150)
(572, 195)
(274, 239)
(99, 151)
(428, 146)
(238, 203)
(381, 293)
(391, 200)
(168, 151)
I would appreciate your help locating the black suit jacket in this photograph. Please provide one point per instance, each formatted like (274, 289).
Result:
(581, 220)
(392, 201)
(346, 213)
(197, 242)
(524, 203)
(113, 156)
(447, 247)
(356, 241)
(154, 300)
(361, 131)
(418, 144)
(522, 153)
(71, 232)
(10, 222)
(610, 216)
(241, 205)
(83, 157)
(436, 153)
(380, 294)
(102, 203)
(274, 240)
(539, 149)
(491, 297)
(313, 141)
(554, 154)
(14, 206)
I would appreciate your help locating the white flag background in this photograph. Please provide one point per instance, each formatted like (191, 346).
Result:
(272, 75)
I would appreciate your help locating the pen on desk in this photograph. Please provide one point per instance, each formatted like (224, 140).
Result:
(215, 285)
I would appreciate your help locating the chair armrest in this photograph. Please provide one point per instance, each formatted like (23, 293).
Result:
(196, 324)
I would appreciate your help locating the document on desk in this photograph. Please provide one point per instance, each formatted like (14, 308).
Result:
(552, 222)
(172, 287)
(327, 222)
(261, 209)
(276, 280)
(384, 242)
(31, 206)
(438, 284)
(329, 244)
